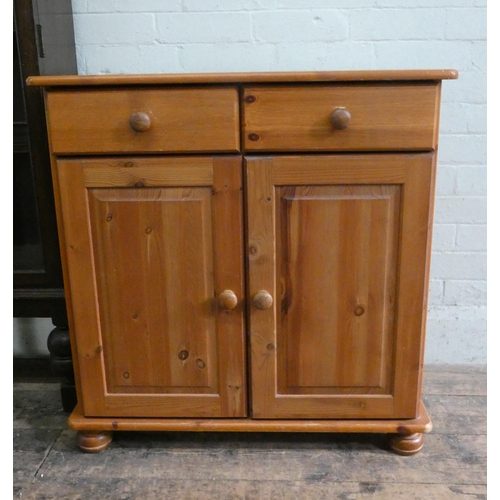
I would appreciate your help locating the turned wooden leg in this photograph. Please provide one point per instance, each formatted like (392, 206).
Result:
(93, 441)
(59, 347)
(407, 444)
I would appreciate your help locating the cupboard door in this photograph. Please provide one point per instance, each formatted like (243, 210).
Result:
(337, 249)
(150, 245)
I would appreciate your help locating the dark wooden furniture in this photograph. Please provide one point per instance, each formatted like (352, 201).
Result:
(247, 252)
(39, 49)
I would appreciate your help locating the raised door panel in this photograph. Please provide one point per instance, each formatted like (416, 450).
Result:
(336, 262)
(154, 246)
(150, 243)
(340, 243)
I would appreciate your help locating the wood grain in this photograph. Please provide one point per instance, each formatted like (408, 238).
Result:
(65, 271)
(414, 269)
(311, 487)
(151, 171)
(153, 257)
(468, 380)
(337, 262)
(337, 244)
(343, 268)
(291, 76)
(94, 442)
(304, 170)
(229, 274)
(285, 465)
(383, 117)
(80, 282)
(182, 120)
(149, 256)
(421, 423)
(261, 251)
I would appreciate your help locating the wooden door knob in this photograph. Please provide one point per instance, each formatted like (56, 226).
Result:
(227, 300)
(340, 118)
(262, 300)
(140, 122)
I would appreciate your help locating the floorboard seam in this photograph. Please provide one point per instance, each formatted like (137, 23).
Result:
(46, 454)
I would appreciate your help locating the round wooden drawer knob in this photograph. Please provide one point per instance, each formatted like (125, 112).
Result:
(140, 122)
(262, 300)
(227, 300)
(340, 118)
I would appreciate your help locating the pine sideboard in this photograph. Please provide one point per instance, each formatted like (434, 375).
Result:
(246, 251)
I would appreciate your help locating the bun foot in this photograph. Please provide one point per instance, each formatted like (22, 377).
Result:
(407, 444)
(93, 442)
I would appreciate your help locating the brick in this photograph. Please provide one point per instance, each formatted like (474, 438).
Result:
(242, 5)
(476, 119)
(397, 24)
(300, 26)
(471, 181)
(479, 56)
(446, 180)
(81, 59)
(131, 59)
(456, 335)
(460, 210)
(423, 3)
(458, 265)
(158, 58)
(96, 29)
(471, 237)
(318, 4)
(465, 293)
(436, 292)
(456, 313)
(466, 24)
(222, 5)
(256, 5)
(443, 237)
(453, 119)
(324, 56)
(418, 54)
(470, 87)
(314, 56)
(464, 148)
(104, 59)
(227, 57)
(194, 27)
(143, 6)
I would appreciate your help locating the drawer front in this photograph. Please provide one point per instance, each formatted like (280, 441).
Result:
(145, 120)
(363, 117)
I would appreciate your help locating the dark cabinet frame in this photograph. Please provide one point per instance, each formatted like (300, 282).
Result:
(39, 292)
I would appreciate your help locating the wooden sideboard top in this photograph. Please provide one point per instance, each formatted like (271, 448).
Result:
(260, 77)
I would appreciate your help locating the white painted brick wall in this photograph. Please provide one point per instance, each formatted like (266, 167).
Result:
(154, 36)
(203, 27)
(300, 26)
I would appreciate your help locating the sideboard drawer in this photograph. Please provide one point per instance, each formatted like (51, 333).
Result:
(143, 120)
(342, 117)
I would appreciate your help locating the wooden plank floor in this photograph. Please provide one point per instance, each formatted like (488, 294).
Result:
(201, 466)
